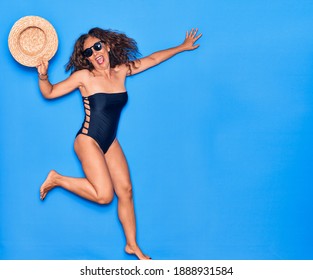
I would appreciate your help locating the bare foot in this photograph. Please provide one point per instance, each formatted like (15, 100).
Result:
(134, 250)
(48, 184)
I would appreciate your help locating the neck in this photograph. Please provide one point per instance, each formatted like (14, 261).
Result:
(103, 72)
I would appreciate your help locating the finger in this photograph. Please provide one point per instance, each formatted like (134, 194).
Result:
(196, 38)
(195, 34)
(45, 65)
(42, 61)
(39, 63)
(192, 32)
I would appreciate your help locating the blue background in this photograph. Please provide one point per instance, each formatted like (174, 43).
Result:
(219, 140)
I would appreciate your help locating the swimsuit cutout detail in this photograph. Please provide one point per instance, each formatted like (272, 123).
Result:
(102, 114)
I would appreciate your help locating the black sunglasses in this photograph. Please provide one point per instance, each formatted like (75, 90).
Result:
(97, 47)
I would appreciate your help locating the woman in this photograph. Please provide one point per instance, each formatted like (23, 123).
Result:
(100, 63)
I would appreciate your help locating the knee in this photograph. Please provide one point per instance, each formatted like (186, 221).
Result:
(125, 192)
(104, 199)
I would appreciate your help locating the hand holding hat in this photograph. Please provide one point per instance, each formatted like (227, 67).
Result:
(31, 40)
(42, 69)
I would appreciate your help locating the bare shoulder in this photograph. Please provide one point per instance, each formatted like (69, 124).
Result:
(122, 69)
(80, 77)
(81, 74)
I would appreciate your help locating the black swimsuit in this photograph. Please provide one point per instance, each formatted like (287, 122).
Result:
(102, 114)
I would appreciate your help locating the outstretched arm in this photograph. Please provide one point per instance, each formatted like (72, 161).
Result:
(160, 56)
(50, 91)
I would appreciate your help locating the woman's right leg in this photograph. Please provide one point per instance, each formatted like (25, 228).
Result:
(97, 186)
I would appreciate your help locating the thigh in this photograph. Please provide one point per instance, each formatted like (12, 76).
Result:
(94, 164)
(118, 168)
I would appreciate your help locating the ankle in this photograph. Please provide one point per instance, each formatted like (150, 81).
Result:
(131, 247)
(56, 178)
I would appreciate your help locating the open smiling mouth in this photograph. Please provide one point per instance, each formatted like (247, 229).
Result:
(100, 59)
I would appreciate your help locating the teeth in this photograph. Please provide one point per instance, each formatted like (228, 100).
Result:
(100, 59)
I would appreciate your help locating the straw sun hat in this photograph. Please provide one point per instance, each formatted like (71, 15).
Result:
(32, 38)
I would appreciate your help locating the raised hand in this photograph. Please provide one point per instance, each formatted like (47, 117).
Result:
(190, 39)
(42, 67)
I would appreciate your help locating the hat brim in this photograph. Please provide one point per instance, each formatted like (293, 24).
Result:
(31, 39)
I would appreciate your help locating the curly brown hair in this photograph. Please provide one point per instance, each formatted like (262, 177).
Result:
(123, 50)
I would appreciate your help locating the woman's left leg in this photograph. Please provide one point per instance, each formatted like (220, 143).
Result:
(119, 171)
